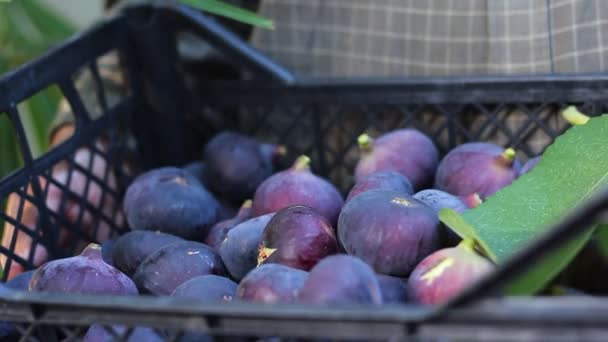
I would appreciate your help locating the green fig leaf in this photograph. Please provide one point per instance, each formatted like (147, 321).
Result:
(571, 170)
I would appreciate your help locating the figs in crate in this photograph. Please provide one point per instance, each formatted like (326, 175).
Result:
(272, 283)
(394, 289)
(131, 249)
(208, 289)
(21, 283)
(481, 168)
(446, 273)
(107, 248)
(172, 265)
(172, 201)
(298, 186)
(86, 273)
(341, 280)
(239, 250)
(529, 165)
(237, 164)
(407, 151)
(199, 170)
(218, 232)
(382, 180)
(99, 333)
(390, 231)
(298, 237)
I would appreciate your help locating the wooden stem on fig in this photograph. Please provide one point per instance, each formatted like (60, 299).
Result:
(365, 142)
(468, 244)
(507, 157)
(574, 116)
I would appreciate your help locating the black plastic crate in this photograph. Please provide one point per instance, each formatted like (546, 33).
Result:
(166, 117)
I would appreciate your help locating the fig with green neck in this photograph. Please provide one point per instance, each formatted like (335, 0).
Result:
(444, 274)
(298, 186)
(481, 168)
(406, 151)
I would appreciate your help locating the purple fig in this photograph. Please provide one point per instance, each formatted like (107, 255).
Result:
(407, 151)
(218, 232)
(481, 168)
(172, 201)
(382, 180)
(239, 250)
(298, 186)
(529, 165)
(199, 170)
(394, 289)
(131, 249)
(172, 265)
(208, 289)
(341, 280)
(85, 273)
(298, 237)
(272, 283)
(237, 165)
(390, 231)
(444, 274)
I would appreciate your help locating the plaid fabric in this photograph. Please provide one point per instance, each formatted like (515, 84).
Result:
(436, 37)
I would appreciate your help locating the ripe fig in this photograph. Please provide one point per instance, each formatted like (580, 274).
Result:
(341, 280)
(172, 265)
(407, 151)
(199, 170)
(394, 289)
(9, 329)
(446, 273)
(529, 165)
(107, 247)
(390, 231)
(298, 237)
(481, 168)
(298, 185)
(239, 250)
(132, 248)
(237, 165)
(208, 289)
(437, 200)
(85, 273)
(382, 180)
(172, 201)
(272, 283)
(218, 232)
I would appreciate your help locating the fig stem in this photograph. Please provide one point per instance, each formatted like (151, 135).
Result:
(247, 204)
(468, 243)
(574, 116)
(365, 142)
(302, 163)
(509, 154)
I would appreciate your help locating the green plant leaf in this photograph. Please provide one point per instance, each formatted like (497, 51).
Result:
(572, 169)
(226, 10)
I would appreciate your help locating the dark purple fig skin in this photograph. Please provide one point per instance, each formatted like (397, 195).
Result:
(172, 265)
(298, 237)
(172, 201)
(272, 284)
(476, 168)
(446, 273)
(218, 232)
(85, 273)
(298, 186)
(390, 231)
(236, 165)
(107, 247)
(97, 333)
(207, 289)
(341, 280)
(529, 165)
(131, 249)
(199, 170)
(239, 250)
(394, 289)
(407, 151)
(438, 200)
(21, 282)
(382, 180)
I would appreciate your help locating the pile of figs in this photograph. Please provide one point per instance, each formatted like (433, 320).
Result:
(231, 228)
